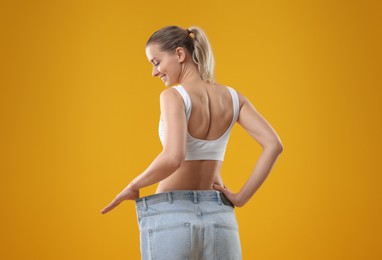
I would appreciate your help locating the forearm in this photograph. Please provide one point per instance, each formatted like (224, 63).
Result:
(262, 169)
(160, 168)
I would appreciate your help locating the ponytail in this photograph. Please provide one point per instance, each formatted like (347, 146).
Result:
(202, 54)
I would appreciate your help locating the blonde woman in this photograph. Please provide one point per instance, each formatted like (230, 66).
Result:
(192, 213)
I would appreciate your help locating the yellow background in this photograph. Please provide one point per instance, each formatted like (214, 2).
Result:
(80, 110)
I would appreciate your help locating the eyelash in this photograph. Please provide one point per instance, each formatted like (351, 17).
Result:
(156, 64)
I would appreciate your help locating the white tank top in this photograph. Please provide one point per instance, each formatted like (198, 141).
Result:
(199, 149)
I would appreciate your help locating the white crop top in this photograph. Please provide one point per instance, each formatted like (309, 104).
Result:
(199, 149)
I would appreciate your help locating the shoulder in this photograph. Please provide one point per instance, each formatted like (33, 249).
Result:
(169, 93)
(170, 97)
(241, 97)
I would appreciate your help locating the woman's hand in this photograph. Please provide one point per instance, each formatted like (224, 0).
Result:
(233, 197)
(127, 194)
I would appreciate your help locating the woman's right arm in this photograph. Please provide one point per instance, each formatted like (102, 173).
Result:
(256, 126)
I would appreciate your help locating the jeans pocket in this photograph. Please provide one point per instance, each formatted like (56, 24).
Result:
(170, 242)
(227, 242)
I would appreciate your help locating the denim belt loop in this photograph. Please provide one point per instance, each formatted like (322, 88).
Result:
(169, 197)
(219, 198)
(144, 204)
(195, 197)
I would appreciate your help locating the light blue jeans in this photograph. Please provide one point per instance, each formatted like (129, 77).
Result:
(188, 224)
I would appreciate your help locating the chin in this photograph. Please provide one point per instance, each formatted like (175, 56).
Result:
(167, 84)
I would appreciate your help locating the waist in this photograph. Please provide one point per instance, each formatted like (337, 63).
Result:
(190, 195)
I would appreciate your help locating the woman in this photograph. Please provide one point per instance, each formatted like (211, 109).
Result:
(191, 215)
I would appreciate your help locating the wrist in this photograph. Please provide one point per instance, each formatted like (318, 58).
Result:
(133, 186)
(241, 201)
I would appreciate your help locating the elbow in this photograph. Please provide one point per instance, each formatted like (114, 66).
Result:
(276, 146)
(280, 147)
(174, 161)
(175, 164)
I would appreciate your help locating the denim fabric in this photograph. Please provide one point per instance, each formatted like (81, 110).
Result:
(181, 225)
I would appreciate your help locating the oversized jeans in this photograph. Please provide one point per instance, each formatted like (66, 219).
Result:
(188, 224)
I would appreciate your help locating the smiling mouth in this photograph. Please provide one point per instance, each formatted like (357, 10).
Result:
(162, 78)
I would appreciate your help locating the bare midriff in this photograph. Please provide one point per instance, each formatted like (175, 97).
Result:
(193, 175)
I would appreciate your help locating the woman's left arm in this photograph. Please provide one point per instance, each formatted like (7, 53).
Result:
(173, 153)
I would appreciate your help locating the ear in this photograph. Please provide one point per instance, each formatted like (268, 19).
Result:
(180, 53)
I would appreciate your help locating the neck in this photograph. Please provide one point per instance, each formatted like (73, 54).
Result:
(190, 75)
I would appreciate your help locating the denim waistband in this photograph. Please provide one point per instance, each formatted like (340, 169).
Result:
(192, 195)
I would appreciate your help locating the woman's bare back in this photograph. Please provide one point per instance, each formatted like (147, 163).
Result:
(211, 116)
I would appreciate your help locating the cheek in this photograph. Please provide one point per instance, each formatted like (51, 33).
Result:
(174, 69)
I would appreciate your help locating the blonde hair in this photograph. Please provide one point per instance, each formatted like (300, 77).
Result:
(171, 37)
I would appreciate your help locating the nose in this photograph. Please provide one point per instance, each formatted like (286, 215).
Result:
(155, 72)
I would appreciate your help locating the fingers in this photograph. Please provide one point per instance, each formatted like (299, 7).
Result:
(127, 194)
(220, 188)
(112, 205)
(229, 194)
(217, 187)
(224, 189)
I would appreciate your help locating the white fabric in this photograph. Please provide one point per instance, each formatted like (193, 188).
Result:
(199, 149)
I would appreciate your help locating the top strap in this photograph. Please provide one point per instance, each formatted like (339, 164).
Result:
(186, 100)
(188, 104)
(236, 104)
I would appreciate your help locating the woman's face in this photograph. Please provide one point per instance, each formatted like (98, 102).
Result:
(166, 66)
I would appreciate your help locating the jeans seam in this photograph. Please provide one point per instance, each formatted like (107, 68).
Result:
(216, 249)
